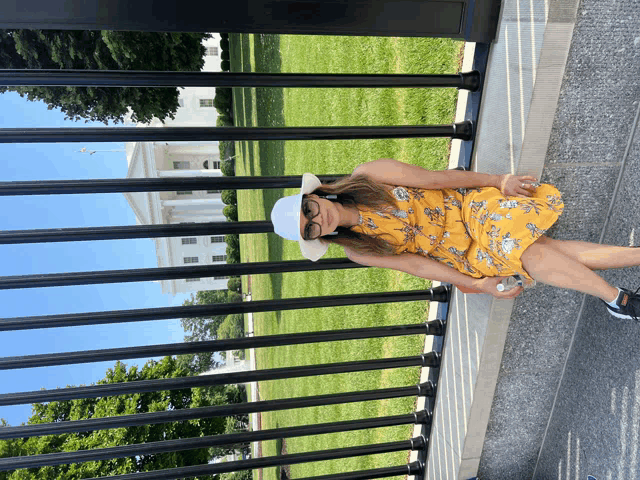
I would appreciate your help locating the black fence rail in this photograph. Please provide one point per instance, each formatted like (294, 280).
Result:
(416, 443)
(469, 19)
(130, 78)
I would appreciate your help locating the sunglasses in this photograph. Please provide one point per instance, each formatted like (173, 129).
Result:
(311, 209)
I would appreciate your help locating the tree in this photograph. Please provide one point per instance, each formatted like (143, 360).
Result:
(229, 197)
(207, 297)
(239, 475)
(232, 240)
(235, 284)
(233, 297)
(10, 448)
(123, 405)
(103, 50)
(200, 329)
(228, 168)
(231, 212)
(236, 394)
(204, 328)
(224, 120)
(232, 327)
(233, 255)
(223, 100)
(227, 149)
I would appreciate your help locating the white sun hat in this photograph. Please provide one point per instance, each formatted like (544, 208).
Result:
(285, 217)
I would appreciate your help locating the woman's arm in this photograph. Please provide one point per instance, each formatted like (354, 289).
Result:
(393, 172)
(433, 270)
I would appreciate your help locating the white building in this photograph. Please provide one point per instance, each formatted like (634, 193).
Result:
(177, 159)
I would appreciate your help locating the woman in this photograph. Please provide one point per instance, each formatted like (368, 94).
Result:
(469, 229)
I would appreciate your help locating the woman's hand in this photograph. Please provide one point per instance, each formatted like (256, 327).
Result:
(489, 285)
(518, 185)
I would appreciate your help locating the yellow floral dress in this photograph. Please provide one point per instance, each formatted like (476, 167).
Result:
(478, 231)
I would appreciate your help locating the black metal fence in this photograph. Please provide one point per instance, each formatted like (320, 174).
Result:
(464, 131)
(426, 389)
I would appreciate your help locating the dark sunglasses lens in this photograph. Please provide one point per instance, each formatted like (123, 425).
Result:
(310, 208)
(312, 231)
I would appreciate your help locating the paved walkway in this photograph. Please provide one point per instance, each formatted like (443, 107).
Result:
(548, 386)
(595, 154)
(567, 402)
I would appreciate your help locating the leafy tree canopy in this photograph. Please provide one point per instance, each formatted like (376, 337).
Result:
(103, 50)
(232, 327)
(204, 328)
(124, 405)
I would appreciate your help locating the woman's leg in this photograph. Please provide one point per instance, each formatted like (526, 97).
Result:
(553, 267)
(594, 255)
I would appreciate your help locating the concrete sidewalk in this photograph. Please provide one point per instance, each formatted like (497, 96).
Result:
(594, 157)
(548, 386)
(522, 86)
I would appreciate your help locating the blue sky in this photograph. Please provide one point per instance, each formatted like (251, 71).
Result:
(63, 161)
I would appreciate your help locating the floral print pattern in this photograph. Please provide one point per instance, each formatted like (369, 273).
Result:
(401, 194)
(399, 213)
(477, 231)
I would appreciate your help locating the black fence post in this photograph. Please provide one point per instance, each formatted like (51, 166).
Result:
(431, 359)
(438, 294)
(417, 443)
(149, 448)
(426, 389)
(413, 468)
(461, 130)
(434, 327)
(115, 78)
(472, 20)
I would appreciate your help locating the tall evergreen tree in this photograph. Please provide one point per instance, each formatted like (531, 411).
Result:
(103, 50)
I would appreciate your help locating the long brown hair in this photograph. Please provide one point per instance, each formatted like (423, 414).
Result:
(359, 190)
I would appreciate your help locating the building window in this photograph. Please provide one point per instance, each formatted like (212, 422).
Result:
(190, 259)
(206, 102)
(212, 51)
(184, 192)
(215, 164)
(188, 280)
(219, 258)
(181, 102)
(190, 241)
(214, 191)
(220, 278)
(217, 239)
(181, 165)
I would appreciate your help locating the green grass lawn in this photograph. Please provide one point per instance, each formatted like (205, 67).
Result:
(327, 107)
